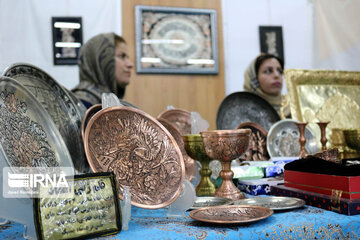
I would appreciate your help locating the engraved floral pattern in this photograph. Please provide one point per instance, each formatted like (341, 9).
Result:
(140, 153)
(24, 140)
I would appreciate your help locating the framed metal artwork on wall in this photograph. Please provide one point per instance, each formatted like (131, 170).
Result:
(271, 40)
(67, 39)
(176, 40)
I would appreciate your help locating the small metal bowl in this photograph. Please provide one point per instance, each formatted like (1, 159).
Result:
(352, 138)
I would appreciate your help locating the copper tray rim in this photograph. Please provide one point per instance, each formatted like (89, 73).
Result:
(174, 128)
(267, 210)
(184, 112)
(88, 111)
(228, 201)
(300, 202)
(131, 109)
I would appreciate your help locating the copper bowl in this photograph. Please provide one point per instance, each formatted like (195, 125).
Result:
(352, 138)
(226, 145)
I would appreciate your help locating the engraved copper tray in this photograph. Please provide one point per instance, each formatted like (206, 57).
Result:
(88, 115)
(180, 118)
(189, 162)
(201, 202)
(29, 138)
(58, 104)
(257, 144)
(141, 152)
(274, 203)
(240, 107)
(231, 214)
(283, 140)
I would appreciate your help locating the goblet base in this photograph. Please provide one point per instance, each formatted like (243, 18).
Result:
(230, 191)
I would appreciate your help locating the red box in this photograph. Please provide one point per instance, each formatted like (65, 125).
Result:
(347, 187)
(335, 204)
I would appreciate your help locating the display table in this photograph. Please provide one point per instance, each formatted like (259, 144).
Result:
(303, 223)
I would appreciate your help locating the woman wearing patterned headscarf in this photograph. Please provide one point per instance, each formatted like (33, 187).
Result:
(104, 67)
(264, 78)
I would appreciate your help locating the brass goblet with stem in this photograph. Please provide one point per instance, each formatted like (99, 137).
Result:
(195, 149)
(226, 145)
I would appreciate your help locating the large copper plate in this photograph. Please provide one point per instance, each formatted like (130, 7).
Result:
(58, 104)
(231, 214)
(141, 152)
(29, 138)
(180, 118)
(274, 203)
(240, 107)
(189, 162)
(257, 145)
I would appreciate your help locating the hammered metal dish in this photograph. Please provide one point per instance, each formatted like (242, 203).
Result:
(231, 214)
(141, 152)
(29, 138)
(257, 145)
(80, 106)
(180, 118)
(274, 203)
(240, 107)
(283, 140)
(189, 162)
(58, 104)
(201, 202)
(88, 115)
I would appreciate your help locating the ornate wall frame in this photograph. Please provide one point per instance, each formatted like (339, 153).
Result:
(176, 40)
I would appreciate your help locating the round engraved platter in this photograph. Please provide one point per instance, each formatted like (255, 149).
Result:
(189, 162)
(240, 107)
(283, 140)
(180, 118)
(257, 146)
(140, 151)
(274, 203)
(29, 138)
(61, 108)
(231, 214)
(201, 202)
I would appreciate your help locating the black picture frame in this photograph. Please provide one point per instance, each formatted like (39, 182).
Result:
(271, 40)
(67, 39)
(173, 40)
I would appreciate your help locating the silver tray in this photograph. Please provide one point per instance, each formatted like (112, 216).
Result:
(283, 140)
(274, 203)
(59, 105)
(201, 202)
(240, 107)
(28, 136)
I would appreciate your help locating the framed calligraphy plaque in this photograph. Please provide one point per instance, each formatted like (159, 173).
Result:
(271, 40)
(176, 40)
(90, 210)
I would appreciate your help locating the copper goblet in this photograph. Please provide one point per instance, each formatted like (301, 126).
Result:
(226, 145)
(195, 149)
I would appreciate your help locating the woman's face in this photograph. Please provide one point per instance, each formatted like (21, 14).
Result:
(123, 65)
(270, 76)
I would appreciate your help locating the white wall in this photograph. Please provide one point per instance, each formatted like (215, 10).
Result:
(26, 33)
(241, 20)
